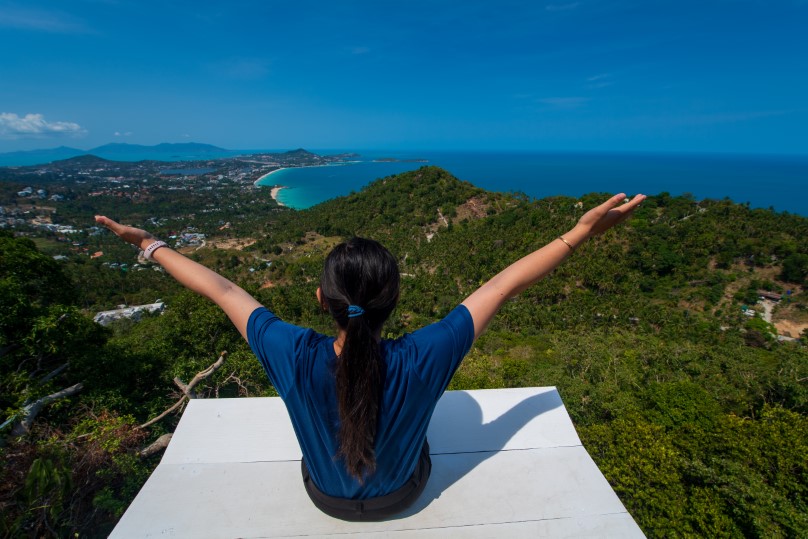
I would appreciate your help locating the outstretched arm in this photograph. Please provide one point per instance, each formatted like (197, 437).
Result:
(484, 302)
(234, 301)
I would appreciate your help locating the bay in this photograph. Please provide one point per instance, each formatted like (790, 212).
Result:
(779, 182)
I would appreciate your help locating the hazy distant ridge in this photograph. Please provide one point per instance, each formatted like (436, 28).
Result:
(118, 151)
(120, 148)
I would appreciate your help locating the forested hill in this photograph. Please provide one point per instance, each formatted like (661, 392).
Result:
(693, 409)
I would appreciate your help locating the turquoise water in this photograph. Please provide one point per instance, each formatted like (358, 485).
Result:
(779, 182)
(308, 186)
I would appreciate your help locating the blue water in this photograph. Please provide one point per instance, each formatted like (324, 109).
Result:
(779, 182)
(305, 187)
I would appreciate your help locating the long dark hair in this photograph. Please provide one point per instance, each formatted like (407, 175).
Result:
(359, 272)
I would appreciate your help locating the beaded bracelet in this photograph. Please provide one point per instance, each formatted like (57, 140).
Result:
(149, 251)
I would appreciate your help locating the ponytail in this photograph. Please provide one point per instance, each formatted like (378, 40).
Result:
(359, 383)
(360, 284)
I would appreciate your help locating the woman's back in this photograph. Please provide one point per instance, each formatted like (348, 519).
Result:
(416, 370)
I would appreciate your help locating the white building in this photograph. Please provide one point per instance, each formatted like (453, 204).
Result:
(134, 312)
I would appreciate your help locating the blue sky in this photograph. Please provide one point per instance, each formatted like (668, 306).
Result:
(707, 76)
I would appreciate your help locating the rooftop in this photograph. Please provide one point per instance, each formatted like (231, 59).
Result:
(506, 463)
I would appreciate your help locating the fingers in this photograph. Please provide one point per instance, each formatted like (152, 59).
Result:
(107, 222)
(634, 202)
(629, 205)
(616, 199)
(612, 202)
(115, 227)
(628, 208)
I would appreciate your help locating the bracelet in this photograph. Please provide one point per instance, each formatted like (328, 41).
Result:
(567, 243)
(149, 251)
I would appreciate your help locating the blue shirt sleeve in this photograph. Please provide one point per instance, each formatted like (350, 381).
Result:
(277, 344)
(441, 347)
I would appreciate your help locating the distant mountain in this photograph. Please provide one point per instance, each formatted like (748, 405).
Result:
(180, 148)
(300, 152)
(119, 151)
(32, 157)
(81, 161)
(182, 151)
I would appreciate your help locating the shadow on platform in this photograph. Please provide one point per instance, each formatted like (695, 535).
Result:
(485, 439)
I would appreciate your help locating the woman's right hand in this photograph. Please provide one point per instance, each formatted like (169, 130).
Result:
(137, 237)
(601, 218)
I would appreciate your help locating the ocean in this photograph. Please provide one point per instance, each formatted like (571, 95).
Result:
(764, 181)
(778, 182)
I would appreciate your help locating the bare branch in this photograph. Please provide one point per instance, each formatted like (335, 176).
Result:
(158, 445)
(53, 374)
(244, 390)
(189, 389)
(180, 384)
(176, 405)
(30, 411)
(207, 372)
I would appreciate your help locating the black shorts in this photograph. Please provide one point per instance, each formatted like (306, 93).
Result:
(378, 508)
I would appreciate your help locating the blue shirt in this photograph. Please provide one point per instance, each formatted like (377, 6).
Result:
(300, 364)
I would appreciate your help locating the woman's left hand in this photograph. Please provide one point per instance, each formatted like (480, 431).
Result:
(137, 237)
(612, 212)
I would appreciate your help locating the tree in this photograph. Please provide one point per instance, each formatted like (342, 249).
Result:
(795, 268)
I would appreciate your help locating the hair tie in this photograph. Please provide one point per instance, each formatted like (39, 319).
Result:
(355, 310)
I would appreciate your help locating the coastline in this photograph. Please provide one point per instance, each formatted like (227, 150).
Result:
(276, 189)
(274, 194)
(268, 174)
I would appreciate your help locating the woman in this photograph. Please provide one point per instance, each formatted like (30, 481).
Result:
(361, 405)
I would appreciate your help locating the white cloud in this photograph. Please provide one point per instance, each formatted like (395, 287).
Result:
(41, 20)
(15, 126)
(125, 134)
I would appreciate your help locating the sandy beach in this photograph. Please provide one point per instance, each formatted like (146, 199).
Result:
(276, 189)
(274, 194)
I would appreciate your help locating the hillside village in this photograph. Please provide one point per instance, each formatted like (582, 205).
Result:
(36, 203)
(46, 200)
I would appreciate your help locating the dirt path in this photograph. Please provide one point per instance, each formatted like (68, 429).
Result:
(768, 307)
(790, 329)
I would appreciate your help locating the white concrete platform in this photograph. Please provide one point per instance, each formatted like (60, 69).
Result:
(505, 463)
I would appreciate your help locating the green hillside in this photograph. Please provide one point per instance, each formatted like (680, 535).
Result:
(694, 411)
